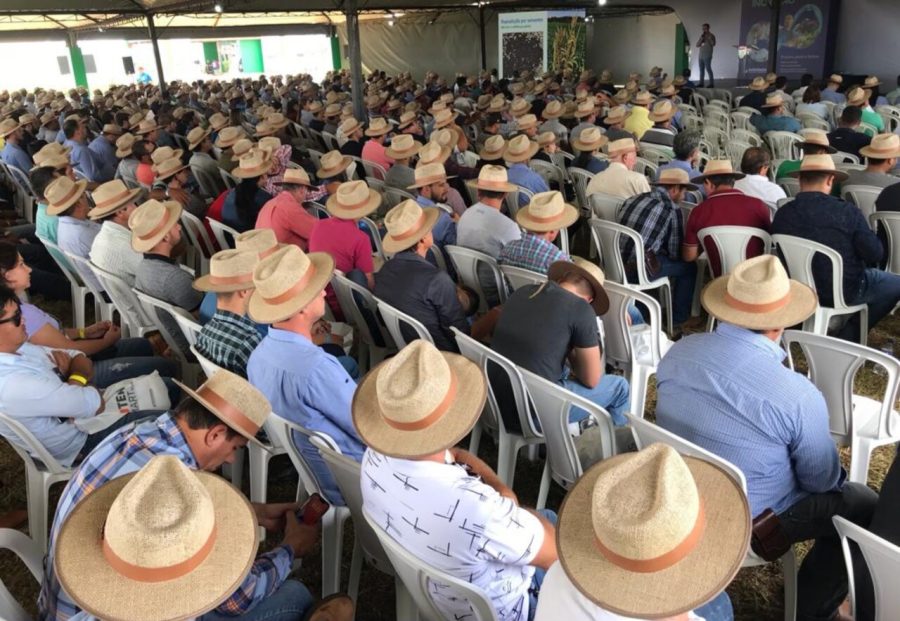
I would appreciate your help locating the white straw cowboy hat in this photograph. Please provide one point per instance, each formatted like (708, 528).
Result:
(242, 147)
(229, 271)
(526, 121)
(109, 128)
(585, 108)
(718, 168)
(493, 178)
(228, 136)
(349, 126)
(151, 221)
(546, 138)
(62, 193)
(255, 163)
(169, 168)
(163, 153)
(653, 534)
(816, 138)
(353, 200)
(196, 136)
(269, 143)
(124, 144)
(261, 241)
(378, 127)
(110, 197)
(871, 82)
(406, 119)
(8, 126)
(758, 84)
(428, 174)
(758, 295)
(58, 162)
(332, 164)
(552, 110)
(278, 121)
(662, 111)
(419, 402)
(443, 118)
(589, 140)
(675, 176)
(643, 98)
(616, 115)
(519, 107)
(296, 176)
(520, 149)
(402, 147)
(51, 149)
(234, 401)
(882, 147)
(433, 153)
(287, 281)
(264, 129)
(857, 97)
(590, 272)
(135, 119)
(773, 100)
(547, 211)
(493, 149)
(621, 147)
(406, 224)
(161, 544)
(498, 104)
(218, 121)
(145, 127)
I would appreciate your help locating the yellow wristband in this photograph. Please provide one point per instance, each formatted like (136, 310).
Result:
(81, 333)
(78, 378)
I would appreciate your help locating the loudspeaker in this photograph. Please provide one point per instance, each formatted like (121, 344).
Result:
(63, 62)
(128, 63)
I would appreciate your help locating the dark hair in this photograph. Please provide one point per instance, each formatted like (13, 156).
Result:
(489, 194)
(874, 161)
(9, 257)
(196, 416)
(121, 118)
(707, 25)
(813, 149)
(472, 297)
(40, 178)
(492, 119)
(754, 159)
(582, 284)
(139, 149)
(851, 115)
(245, 201)
(815, 177)
(812, 94)
(70, 127)
(685, 143)
(780, 82)
(717, 180)
(806, 79)
(7, 295)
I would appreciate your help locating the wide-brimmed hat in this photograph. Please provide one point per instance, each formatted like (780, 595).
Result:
(493, 178)
(234, 401)
(771, 77)
(857, 97)
(552, 110)
(679, 80)
(135, 119)
(718, 168)
(526, 121)
(882, 147)
(547, 211)
(287, 281)
(590, 139)
(62, 193)
(51, 149)
(443, 118)
(621, 147)
(242, 147)
(218, 121)
(493, 149)
(264, 129)
(163, 543)
(196, 136)
(378, 127)
(498, 104)
(871, 82)
(758, 84)
(662, 111)
(406, 224)
(110, 197)
(819, 163)
(229, 270)
(353, 200)
(296, 176)
(254, 163)
(428, 174)
(269, 143)
(667, 90)
(261, 241)
(146, 127)
(169, 168)
(643, 98)
(520, 149)
(433, 153)
(108, 128)
(585, 108)
(124, 144)
(349, 126)
(675, 176)
(8, 126)
(545, 139)
(402, 147)
(669, 532)
(757, 294)
(229, 135)
(406, 119)
(816, 138)
(616, 115)
(587, 270)
(332, 164)
(834, 78)
(161, 154)
(773, 100)
(151, 221)
(279, 121)
(519, 107)
(419, 402)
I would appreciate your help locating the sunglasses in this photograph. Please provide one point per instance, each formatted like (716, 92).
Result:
(15, 318)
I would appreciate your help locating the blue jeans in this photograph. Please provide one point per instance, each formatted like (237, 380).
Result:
(290, 602)
(610, 393)
(537, 579)
(129, 358)
(683, 277)
(349, 364)
(706, 66)
(881, 291)
(719, 609)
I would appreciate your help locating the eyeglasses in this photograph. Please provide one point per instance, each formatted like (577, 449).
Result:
(15, 318)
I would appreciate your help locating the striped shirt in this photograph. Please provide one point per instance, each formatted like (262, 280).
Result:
(228, 340)
(124, 452)
(531, 253)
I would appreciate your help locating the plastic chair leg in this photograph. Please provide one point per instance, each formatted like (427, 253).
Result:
(78, 308)
(475, 438)
(405, 604)
(789, 569)
(545, 487)
(507, 452)
(355, 570)
(259, 472)
(332, 548)
(235, 471)
(37, 497)
(860, 452)
(640, 375)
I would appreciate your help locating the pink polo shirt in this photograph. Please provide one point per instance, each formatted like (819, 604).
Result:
(374, 152)
(350, 248)
(290, 221)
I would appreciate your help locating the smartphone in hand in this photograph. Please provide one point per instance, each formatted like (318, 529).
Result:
(312, 510)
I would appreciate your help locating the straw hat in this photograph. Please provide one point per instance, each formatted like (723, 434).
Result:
(616, 115)
(871, 82)
(58, 162)
(378, 127)
(406, 119)
(816, 138)
(773, 100)
(229, 135)
(882, 147)
(519, 107)
(667, 90)
(241, 147)
(643, 98)
(520, 149)
(758, 295)
(229, 270)
(163, 543)
(218, 121)
(287, 282)
(254, 163)
(269, 143)
(428, 174)
(835, 79)
(406, 224)
(493, 149)
(109, 128)
(51, 149)
(590, 272)
(332, 164)
(589, 140)
(498, 104)
(124, 144)
(857, 97)
(169, 168)
(662, 111)
(443, 118)
(353, 200)
(8, 126)
(296, 176)
(316, 106)
(233, 401)
(349, 126)
(402, 147)
(552, 110)
(527, 121)
(433, 153)
(164, 153)
(771, 77)
(145, 127)
(493, 179)
(621, 147)
(110, 197)
(718, 168)
(585, 108)
(264, 129)
(758, 84)
(279, 121)
(261, 241)
(669, 532)
(135, 119)
(545, 139)
(151, 221)
(62, 193)
(196, 136)
(820, 163)
(675, 176)
(419, 402)
(547, 211)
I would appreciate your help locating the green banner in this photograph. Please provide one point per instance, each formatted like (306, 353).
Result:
(78, 70)
(251, 56)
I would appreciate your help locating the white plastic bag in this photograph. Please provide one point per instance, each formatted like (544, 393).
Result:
(147, 392)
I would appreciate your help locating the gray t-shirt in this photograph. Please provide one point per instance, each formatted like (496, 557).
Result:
(707, 42)
(865, 177)
(162, 278)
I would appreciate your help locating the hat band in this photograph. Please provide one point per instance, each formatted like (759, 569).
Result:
(487, 184)
(158, 574)
(749, 307)
(415, 228)
(544, 219)
(226, 412)
(433, 416)
(886, 152)
(664, 561)
(430, 180)
(352, 206)
(68, 195)
(295, 289)
(240, 279)
(113, 200)
(156, 230)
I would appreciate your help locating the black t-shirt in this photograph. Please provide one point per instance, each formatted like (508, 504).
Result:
(848, 140)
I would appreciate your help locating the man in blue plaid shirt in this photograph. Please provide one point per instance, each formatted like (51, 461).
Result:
(656, 216)
(542, 220)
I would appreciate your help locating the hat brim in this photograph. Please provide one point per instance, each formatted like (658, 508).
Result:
(146, 131)
(422, 184)
(567, 218)
(194, 145)
(758, 88)
(558, 269)
(612, 121)
(375, 133)
(96, 587)
(687, 584)
(445, 432)
(250, 173)
(204, 283)
(262, 312)
(734, 175)
(55, 210)
(440, 159)
(590, 146)
(690, 186)
(393, 245)
(551, 115)
(171, 173)
(403, 155)
(144, 245)
(98, 213)
(829, 149)
(225, 144)
(802, 305)
(121, 153)
(372, 203)
(533, 148)
(325, 173)
(867, 152)
(506, 187)
(839, 175)
(490, 156)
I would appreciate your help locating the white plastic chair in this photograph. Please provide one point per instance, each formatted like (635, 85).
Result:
(798, 253)
(163, 315)
(102, 309)
(210, 185)
(883, 561)
(732, 243)
(519, 277)
(580, 180)
(646, 433)
(863, 196)
(417, 577)
(890, 221)
(549, 172)
(371, 353)
(605, 206)
(228, 179)
(646, 168)
(782, 144)
(219, 230)
(844, 158)
(31, 554)
(134, 318)
(368, 226)
(476, 269)
(42, 470)
(790, 185)
(393, 318)
(862, 423)
(25, 196)
(200, 245)
(80, 291)
(606, 237)
(395, 196)
(189, 327)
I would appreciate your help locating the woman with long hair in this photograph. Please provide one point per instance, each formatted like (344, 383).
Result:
(242, 204)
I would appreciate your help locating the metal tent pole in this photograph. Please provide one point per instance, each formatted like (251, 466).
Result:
(356, 78)
(159, 67)
(483, 41)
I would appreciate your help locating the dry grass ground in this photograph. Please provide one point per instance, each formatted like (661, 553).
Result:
(756, 593)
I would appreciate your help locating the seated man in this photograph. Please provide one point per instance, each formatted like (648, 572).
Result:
(881, 158)
(67, 199)
(664, 488)
(111, 249)
(662, 133)
(402, 151)
(410, 283)
(443, 504)
(589, 143)
(773, 118)
(687, 153)
(815, 142)
(542, 219)
(518, 154)
(303, 383)
(285, 213)
(729, 392)
(755, 165)
(657, 217)
(816, 216)
(433, 190)
(619, 179)
(847, 138)
(203, 432)
(638, 121)
(615, 124)
(373, 149)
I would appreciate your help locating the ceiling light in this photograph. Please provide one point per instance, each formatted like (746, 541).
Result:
(217, 8)
(390, 22)
(601, 2)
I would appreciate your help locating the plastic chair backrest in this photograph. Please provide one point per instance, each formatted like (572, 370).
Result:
(863, 196)
(224, 234)
(731, 243)
(549, 172)
(189, 326)
(844, 158)
(606, 236)
(417, 576)
(782, 143)
(330, 141)
(211, 185)
(798, 253)
(580, 179)
(123, 296)
(83, 268)
(646, 168)
(65, 267)
(373, 169)
(472, 267)
(790, 185)
(197, 233)
(344, 288)
(279, 431)
(32, 556)
(395, 196)
(164, 318)
(397, 320)
(228, 179)
(890, 221)
(605, 206)
(35, 452)
(368, 226)
(208, 366)
(511, 201)
(519, 277)
(833, 364)
(618, 347)
(883, 561)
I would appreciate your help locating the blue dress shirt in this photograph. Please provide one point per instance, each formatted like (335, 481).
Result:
(14, 155)
(86, 162)
(444, 231)
(522, 175)
(775, 123)
(105, 155)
